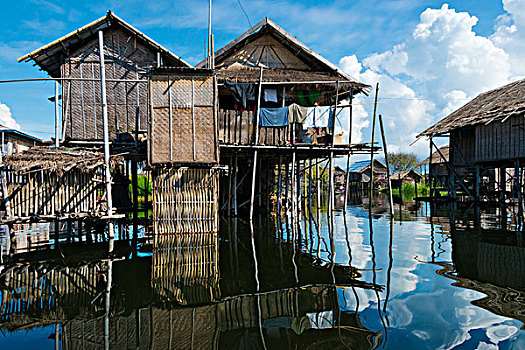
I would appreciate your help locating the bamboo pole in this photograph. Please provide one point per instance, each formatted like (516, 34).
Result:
(106, 129)
(347, 178)
(57, 117)
(385, 152)
(372, 147)
(256, 130)
(235, 171)
(335, 112)
(170, 116)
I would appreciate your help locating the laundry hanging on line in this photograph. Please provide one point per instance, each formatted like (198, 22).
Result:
(270, 117)
(242, 92)
(318, 117)
(296, 113)
(270, 95)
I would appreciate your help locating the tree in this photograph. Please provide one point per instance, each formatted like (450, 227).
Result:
(402, 161)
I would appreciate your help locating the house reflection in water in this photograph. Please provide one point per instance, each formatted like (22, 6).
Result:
(176, 297)
(486, 258)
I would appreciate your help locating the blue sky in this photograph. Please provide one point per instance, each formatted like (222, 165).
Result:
(373, 40)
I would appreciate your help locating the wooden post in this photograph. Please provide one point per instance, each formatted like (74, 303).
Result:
(106, 129)
(235, 171)
(331, 201)
(347, 177)
(57, 118)
(193, 116)
(372, 147)
(254, 173)
(170, 116)
(385, 152)
(256, 129)
(478, 183)
(135, 194)
(318, 183)
(415, 188)
(430, 170)
(335, 111)
(279, 183)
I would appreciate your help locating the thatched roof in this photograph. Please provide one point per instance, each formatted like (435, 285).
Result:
(403, 174)
(436, 157)
(283, 56)
(248, 74)
(48, 57)
(55, 159)
(497, 104)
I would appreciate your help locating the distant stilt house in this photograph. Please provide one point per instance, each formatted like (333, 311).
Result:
(405, 177)
(486, 148)
(359, 174)
(437, 168)
(15, 141)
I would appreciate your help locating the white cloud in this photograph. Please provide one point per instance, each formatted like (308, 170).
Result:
(438, 68)
(6, 119)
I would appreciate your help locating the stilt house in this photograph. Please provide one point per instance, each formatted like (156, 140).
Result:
(128, 54)
(485, 134)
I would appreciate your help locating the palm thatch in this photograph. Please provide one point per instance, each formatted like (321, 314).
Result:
(59, 160)
(497, 104)
(437, 158)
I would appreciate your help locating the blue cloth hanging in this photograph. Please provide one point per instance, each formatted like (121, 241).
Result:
(269, 117)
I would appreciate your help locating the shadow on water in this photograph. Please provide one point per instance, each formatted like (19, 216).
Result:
(428, 277)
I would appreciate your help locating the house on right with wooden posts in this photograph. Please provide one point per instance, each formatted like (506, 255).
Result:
(486, 146)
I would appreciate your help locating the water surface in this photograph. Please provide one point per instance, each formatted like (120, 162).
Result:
(432, 278)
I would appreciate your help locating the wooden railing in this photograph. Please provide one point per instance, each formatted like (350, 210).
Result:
(237, 128)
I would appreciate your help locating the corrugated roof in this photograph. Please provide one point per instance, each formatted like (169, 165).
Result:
(361, 165)
(490, 106)
(4, 129)
(48, 56)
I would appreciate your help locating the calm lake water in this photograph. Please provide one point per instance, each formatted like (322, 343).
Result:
(451, 280)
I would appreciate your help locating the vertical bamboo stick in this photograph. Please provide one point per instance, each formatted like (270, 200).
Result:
(372, 148)
(385, 152)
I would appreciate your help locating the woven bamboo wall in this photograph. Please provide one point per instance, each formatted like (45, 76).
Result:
(189, 133)
(48, 193)
(462, 147)
(185, 201)
(127, 101)
(501, 141)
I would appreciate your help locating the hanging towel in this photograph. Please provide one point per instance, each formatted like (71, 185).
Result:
(270, 95)
(318, 117)
(273, 116)
(242, 92)
(296, 113)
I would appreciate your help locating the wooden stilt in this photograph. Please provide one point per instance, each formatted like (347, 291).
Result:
(256, 130)
(279, 185)
(331, 184)
(430, 182)
(372, 147)
(135, 195)
(385, 153)
(235, 171)
(254, 174)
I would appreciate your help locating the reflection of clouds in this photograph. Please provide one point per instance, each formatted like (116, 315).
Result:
(447, 317)
(501, 332)
(422, 304)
